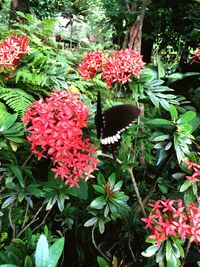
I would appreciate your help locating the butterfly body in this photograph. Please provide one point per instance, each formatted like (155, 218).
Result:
(111, 123)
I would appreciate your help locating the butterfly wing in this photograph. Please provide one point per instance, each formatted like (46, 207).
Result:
(116, 120)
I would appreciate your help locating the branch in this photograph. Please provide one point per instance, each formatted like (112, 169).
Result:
(133, 181)
(31, 222)
(95, 245)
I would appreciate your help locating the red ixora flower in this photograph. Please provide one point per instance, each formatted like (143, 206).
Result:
(196, 57)
(12, 49)
(91, 64)
(195, 177)
(55, 130)
(121, 66)
(171, 218)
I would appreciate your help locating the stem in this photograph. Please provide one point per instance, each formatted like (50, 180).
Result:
(186, 253)
(133, 181)
(27, 159)
(25, 215)
(31, 222)
(136, 190)
(95, 245)
(12, 224)
(47, 214)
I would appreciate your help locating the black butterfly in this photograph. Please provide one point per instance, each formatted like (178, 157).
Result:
(111, 123)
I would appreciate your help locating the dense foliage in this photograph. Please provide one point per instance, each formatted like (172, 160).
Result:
(64, 200)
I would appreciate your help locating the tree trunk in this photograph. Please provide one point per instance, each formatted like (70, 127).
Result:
(18, 5)
(133, 39)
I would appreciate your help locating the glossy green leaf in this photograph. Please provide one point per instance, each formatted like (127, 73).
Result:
(117, 186)
(90, 222)
(185, 186)
(42, 252)
(28, 262)
(55, 251)
(164, 103)
(102, 262)
(187, 117)
(17, 172)
(98, 202)
(173, 112)
(99, 189)
(159, 122)
(112, 180)
(150, 251)
(161, 137)
(168, 250)
(9, 121)
(8, 201)
(101, 226)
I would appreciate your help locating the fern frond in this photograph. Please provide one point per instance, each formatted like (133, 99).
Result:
(16, 99)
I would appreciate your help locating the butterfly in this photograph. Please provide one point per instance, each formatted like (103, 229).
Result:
(111, 123)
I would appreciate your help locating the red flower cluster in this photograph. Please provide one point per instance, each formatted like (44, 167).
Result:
(196, 57)
(196, 175)
(170, 218)
(56, 130)
(91, 64)
(119, 67)
(12, 49)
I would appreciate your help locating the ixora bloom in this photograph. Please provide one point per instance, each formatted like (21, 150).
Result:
(196, 57)
(195, 177)
(170, 218)
(55, 130)
(12, 49)
(121, 66)
(91, 64)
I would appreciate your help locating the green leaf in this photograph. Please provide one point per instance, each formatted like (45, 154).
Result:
(42, 252)
(153, 99)
(112, 180)
(102, 262)
(168, 250)
(21, 196)
(98, 202)
(17, 172)
(150, 251)
(161, 137)
(117, 186)
(185, 186)
(81, 192)
(187, 117)
(90, 222)
(178, 243)
(8, 201)
(10, 120)
(55, 252)
(161, 70)
(164, 103)
(173, 112)
(160, 122)
(99, 189)
(101, 226)
(9, 265)
(28, 262)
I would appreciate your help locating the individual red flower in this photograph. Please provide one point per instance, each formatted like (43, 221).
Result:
(195, 177)
(91, 64)
(55, 130)
(12, 49)
(170, 218)
(196, 57)
(121, 66)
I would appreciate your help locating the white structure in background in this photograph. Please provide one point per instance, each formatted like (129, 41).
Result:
(71, 30)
